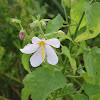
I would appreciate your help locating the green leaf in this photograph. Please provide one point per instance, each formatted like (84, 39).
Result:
(69, 88)
(89, 64)
(92, 14)
(41, 82)
(96, 50)
(80, 97)
(58, 34)
(91, 89)
(93, 23)
(76, 12)
(80, 50)
(33, 18)
(2, 51)
(25, 61)
(96, 57)
(92, 64)
(73, 65)
(66, 51)
(55, 24)
(87, 78)
(72, 60)
(65, 3)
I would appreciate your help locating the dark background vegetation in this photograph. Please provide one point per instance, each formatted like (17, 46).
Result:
(11, 69)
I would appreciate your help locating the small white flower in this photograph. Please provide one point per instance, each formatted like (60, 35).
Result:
(42, 47)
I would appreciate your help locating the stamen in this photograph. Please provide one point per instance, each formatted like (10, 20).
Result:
(42, 44)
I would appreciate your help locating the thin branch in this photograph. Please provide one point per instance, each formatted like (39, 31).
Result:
(3, 98)
(7, 75)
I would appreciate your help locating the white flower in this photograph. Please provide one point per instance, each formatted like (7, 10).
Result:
(42, 47)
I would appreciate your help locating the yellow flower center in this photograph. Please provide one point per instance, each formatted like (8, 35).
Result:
(42, 44)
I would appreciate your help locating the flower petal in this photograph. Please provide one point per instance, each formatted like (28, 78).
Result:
(36, 58)
(53, 42)
(51, 55)
(30, 48)
(35, 40)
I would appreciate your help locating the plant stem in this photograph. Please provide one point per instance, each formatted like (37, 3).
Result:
(20, 25)
(73, 76)
(79, 24)
(72, 19)
(77, 81)
(3, 98)
(66, 15)
(28, 69)
(42, 30)
(66, 93)
(77, 69)
(17, 80)
(75, 34)
(66, 63)
(69, 25)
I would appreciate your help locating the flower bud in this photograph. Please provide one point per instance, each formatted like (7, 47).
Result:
(74, 0)
(33, 24)
(43, 24)
(21, 35)
(13, 20)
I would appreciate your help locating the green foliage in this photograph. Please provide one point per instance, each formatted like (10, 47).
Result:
(91, 60)
(25, 61)
(89, 64)
(11, 69)
(91, 89)
(92, 22)
(76, 12)
(66, 3)
(60, 34)
(72, 60)
(76, 76)
(92, 63)
(41, 82)
(80, 97)
(2, 51)
(55, 24)
(69, 88)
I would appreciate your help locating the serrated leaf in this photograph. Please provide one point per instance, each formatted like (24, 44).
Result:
(80, 97)
(25, 61)
(41, 82)
(55, 24)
